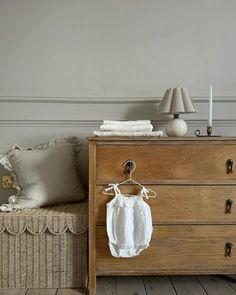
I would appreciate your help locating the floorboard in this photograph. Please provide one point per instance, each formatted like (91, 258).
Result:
(147, 285)
(13, 291)
(158, 285)
(70, 292)
(186, 285)
(231, 280)
(41, 292)
(215, 285)
(106, 286)
(130, 286)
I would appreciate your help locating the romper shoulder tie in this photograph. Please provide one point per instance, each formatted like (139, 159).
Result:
(113, 186)
(144, 192)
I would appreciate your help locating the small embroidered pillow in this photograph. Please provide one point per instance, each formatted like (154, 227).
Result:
(44, 175)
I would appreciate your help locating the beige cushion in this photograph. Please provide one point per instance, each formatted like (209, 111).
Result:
(45, 175)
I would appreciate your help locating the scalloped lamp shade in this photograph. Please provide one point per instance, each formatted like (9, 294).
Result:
(176, 101)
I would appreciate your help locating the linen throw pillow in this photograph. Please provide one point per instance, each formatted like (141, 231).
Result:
(44, 175)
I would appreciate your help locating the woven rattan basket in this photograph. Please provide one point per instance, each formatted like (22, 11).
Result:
(44, 248)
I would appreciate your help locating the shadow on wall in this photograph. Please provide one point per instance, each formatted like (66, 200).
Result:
(149, 112)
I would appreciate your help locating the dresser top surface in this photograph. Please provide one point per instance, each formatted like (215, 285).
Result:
(168, 139)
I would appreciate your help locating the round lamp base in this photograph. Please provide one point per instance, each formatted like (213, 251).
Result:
(176, 128)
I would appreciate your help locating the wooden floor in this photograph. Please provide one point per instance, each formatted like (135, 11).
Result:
(158, 285)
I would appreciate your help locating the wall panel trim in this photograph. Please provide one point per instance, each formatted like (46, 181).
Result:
(97, 123)
(102, 100)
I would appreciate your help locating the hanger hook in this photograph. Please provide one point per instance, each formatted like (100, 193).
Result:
(131, 166)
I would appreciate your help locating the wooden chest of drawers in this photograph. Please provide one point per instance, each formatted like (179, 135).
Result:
(193, 215)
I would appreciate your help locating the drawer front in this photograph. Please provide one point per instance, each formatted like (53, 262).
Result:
(174, 249)
(199, 162)
(181, 204)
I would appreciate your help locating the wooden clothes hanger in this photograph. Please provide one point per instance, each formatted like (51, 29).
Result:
(131, 166)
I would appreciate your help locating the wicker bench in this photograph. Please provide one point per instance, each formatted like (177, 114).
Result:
(44, 248)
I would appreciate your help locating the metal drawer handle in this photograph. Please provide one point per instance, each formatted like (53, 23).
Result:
(228, 206)
(228, 248)
(130, 165)
(229, 165)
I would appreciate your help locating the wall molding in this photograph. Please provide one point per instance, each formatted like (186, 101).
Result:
(50, 123)
(102, 100)
(97, 123)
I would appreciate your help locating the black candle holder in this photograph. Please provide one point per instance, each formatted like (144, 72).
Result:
(209, 133)
(209, 130)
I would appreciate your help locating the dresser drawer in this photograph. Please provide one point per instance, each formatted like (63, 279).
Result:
(187, 162)
(174, 249)
(181, 204)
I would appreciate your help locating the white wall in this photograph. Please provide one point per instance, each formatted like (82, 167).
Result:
(110, 48)
(65, 65)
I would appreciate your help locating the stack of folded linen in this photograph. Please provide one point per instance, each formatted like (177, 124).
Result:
(127, 128)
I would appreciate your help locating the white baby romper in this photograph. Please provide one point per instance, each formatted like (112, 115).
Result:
(129, 223)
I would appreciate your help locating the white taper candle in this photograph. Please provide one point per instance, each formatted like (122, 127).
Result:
(210, 109)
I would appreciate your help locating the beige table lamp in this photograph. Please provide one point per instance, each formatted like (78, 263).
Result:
(176, 101)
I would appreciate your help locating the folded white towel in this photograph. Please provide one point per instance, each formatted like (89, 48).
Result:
(121, 128)
(133, 133)
(136, 122)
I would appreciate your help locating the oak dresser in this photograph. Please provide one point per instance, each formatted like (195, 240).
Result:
(194, 221)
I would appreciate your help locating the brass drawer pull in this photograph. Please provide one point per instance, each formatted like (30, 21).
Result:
(228, 248)
(229, 165)
(228, 206)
